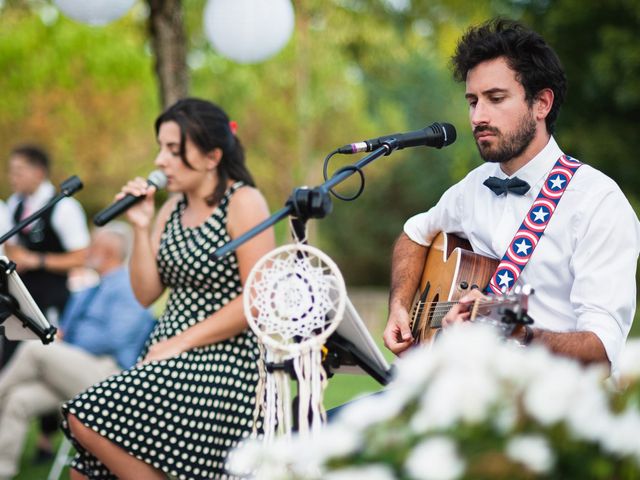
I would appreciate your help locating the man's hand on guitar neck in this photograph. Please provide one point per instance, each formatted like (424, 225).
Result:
(461, 311)
(583, 346)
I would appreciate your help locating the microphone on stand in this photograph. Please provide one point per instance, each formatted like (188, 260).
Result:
(436, 135)
(155, 179)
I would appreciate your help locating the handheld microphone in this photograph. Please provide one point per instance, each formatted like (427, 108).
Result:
(156, 179)
(436, 135)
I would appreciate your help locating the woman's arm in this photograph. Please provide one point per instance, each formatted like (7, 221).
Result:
(143, 270)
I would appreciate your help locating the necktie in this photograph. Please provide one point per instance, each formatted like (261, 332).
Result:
(501, 186)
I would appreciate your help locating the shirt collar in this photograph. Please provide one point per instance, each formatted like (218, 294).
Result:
(41, 196)
(115, 273)
(535, 171)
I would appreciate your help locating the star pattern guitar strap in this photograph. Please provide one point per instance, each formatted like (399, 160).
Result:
(535, 222)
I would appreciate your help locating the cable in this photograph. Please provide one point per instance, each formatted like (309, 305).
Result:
(347, 168)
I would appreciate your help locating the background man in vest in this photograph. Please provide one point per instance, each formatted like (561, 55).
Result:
(46, 250)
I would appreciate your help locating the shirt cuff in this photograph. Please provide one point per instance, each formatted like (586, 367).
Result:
(607, 330)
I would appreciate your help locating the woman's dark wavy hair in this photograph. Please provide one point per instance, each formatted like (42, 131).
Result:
(536, 64)
(207, 126)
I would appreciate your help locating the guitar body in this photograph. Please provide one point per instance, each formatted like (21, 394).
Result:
(451, 270)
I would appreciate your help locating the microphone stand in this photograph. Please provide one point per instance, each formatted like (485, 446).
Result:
(67, 188)
(342, 351)
(8, 304)
(305, 203)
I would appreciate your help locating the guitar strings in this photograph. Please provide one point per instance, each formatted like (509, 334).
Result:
(444, 307)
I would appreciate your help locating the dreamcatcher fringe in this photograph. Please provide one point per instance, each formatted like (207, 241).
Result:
(312, 380)
(273, 394)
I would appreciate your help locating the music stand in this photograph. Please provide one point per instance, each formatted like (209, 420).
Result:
(20, 317)
(351, 349)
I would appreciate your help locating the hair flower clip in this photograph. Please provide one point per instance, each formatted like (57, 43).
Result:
(233, 126)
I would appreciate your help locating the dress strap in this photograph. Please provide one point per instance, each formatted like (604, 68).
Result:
(227, 195)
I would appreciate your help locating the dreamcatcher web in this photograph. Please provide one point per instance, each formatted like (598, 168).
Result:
(294, 299)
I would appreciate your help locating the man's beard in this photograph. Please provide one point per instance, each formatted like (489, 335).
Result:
(510, 146)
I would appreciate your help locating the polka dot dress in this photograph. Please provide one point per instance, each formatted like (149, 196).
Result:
(180, 415)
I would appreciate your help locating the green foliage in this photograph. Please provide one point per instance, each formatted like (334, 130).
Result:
(354, 69)
(599, 49)
(86, 94)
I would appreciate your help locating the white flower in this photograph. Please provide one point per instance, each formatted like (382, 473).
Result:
(435, 459)
(245, 458)
(532, 451)
(468, 345)
(368, 472)
(416, 367)
(333, 440)
(629, 360)
(264, 461)
(623, 437)
(590, 418)
(550, 397)
(456, 394)
(373, 409)
(518, 366)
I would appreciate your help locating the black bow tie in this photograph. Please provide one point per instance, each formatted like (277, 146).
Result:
(500, 186)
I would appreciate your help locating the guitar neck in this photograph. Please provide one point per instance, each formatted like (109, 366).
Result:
(479, 309)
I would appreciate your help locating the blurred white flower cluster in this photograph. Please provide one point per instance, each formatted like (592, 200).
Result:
(473, 406)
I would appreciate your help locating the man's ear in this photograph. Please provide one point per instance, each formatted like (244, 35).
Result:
(543, 103)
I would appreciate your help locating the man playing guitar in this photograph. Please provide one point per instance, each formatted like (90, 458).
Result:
(580, 257)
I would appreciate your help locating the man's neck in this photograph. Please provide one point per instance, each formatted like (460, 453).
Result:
(108, 268)
(535, 147)
(34, 190)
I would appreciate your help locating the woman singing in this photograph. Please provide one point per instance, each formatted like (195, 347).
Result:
(191, 397)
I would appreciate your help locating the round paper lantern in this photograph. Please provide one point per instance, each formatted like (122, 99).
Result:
(248, 31)
(94, 12)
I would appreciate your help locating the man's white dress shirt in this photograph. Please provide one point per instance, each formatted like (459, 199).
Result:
(583, 269)
(68, 218)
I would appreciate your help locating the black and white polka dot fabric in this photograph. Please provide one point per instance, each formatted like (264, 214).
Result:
(180, 415)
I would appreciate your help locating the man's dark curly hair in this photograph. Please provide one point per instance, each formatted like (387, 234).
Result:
(536, 64)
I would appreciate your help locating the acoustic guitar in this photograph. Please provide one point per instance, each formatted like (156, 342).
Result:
(451, 270)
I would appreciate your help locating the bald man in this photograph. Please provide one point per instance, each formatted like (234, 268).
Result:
(103, 329)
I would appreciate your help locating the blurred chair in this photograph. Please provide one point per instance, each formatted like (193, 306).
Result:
(62, 459)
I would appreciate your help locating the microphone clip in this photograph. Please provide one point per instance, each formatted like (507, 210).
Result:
(310, 202)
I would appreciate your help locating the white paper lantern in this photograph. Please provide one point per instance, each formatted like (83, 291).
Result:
(248, 31)
(94, 12)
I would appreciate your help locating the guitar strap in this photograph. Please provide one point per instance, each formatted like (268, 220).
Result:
(535, 222)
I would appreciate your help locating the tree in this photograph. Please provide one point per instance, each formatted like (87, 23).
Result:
(166, 29)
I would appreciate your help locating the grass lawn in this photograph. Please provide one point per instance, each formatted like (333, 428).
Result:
(342, 388)
(29, 471)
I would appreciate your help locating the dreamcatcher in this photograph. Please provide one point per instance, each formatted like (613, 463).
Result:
(294, 299)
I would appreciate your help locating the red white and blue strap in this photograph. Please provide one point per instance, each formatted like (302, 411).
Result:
(532, 228)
